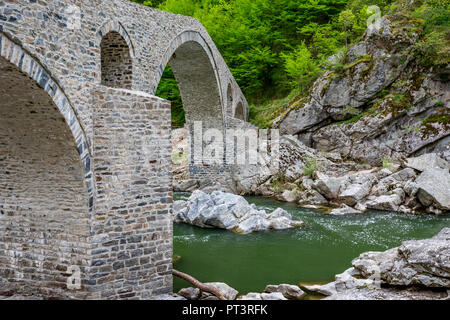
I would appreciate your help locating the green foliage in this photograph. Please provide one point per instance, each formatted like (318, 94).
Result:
(387, 163)
(350, 110)
(273, 46)
(434, 48)
(310, 166)
(168, 89)
(301, 66)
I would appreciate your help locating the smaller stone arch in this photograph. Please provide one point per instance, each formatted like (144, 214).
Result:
(117, 56)
(229, 97)
(239, 111)
(195, 70)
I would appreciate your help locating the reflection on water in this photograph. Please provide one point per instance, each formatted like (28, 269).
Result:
(314, 253)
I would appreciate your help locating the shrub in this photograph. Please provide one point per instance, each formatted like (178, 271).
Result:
(311, 166)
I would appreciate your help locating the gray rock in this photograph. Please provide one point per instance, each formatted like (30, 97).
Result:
(288, 291)
(389, 202)
(190, 293)
(272, 296)
(433, 188)
(250, 296)
(326, 289)
(169, 297)
(289, 195)
(354, 193)
(302, 118)
(343, 210)
(427, 161)
(231, 212)
(385, 294)
(228, 292)
(415, 262)
(329, 186)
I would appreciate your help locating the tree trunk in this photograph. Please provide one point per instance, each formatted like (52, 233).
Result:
(198, 284)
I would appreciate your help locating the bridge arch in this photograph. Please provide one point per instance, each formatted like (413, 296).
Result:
(229, 98)
(46, 187)
(116, 56)
(195, 70)
(239, 112)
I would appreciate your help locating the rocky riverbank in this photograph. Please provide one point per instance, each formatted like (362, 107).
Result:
(416, 270)
(326, 181)
(231, 212)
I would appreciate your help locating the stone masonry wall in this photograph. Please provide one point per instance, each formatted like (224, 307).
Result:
(132, 226)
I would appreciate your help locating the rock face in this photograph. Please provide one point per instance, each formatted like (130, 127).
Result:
(231, 212)
(381, 104)
(418, 269)
(415, 262)
(426, 161)
(351, 188)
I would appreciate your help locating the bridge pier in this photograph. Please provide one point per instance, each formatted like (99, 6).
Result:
(132, 226)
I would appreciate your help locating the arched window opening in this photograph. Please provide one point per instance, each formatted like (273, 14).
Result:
(116, 62)
(239, 112)
(168, 89)
(229, 97)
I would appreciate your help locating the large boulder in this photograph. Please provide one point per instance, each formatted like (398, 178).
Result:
(229, 211)
(330, 187)
(393, 181)
(415, 262)
(389, 202)
(427, 161)
(433, 188)
(359, 187)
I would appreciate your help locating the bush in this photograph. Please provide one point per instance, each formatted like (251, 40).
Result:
(311, 166)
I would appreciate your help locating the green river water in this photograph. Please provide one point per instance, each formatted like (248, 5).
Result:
(313, 254)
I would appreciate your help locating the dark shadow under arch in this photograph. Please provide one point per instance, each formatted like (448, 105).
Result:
(116, 61)
(195, 72)
(239, 111)
(45, 177)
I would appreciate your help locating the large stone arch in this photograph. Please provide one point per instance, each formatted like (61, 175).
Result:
(195, 70)
(46, 188)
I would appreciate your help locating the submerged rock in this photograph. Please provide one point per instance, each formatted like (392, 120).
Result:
(344, 210)
(232, 212)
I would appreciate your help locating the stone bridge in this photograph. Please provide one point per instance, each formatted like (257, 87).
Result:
(85, 151)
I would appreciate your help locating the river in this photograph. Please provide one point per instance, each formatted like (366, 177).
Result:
(313, 254)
